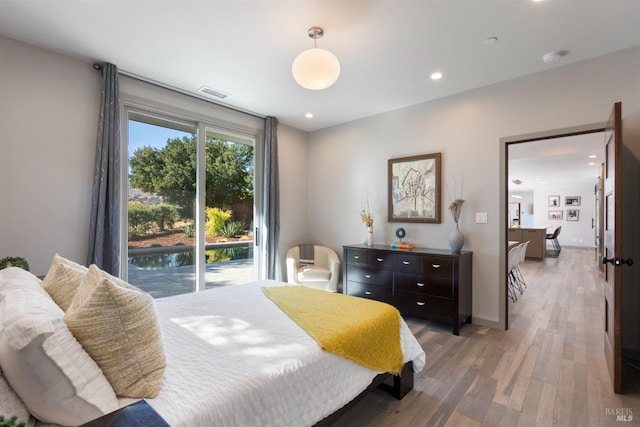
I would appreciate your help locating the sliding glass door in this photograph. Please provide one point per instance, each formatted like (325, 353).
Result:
(190, 192)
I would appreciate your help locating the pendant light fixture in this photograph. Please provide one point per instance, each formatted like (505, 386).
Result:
(315, 68)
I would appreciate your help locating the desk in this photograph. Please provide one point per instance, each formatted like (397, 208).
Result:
(537, 237)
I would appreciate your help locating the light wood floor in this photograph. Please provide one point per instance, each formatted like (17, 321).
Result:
(548, 369)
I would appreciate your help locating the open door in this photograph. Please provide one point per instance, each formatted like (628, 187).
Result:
(612, 259)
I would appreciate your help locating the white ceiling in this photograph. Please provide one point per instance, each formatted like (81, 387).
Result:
(387, 48)
(564, 161)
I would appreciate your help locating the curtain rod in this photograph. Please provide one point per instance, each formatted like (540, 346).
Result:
(98, 67)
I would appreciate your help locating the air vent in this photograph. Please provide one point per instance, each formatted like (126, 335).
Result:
(213, 92)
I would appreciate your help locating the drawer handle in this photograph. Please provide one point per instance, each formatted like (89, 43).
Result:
(420, 303)
(435, 265)
(406, 262)
(420, 284)
(356, 256)
(379, 259)
(367, 276)
(367, 292)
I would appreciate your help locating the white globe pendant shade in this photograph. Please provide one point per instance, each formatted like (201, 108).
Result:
(316, 69)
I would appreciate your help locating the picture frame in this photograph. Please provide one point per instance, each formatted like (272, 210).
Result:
(414, 189)
(555, 215)
(554, 201)
(573, 214)
(572, 201)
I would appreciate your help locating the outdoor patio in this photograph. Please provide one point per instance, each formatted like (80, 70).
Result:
(180, 280)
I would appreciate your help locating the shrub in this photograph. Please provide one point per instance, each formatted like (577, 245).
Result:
(233, 228)
(10, 422)
(188, 230)
(144, 218)
(216, 219)
(164, 216)
(14, 262)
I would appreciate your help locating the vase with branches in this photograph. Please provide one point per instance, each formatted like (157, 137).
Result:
(456, 238)
(367, 219)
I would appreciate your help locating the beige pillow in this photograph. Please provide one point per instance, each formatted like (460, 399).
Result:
(118, 327)
(45, 365)
(62, 280)
(90, 281)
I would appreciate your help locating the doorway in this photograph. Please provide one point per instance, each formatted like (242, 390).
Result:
(535, 176)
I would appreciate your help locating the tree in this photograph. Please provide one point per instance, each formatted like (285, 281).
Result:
(170, 172)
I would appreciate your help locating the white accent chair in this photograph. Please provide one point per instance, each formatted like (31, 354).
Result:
(323, 274)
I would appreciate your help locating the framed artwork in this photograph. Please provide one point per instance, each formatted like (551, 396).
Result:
(415, 189)
(573, 214)
(555, 215)
(572, 201)
(554, 201)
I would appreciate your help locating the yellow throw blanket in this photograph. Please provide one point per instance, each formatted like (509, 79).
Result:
(364, 331)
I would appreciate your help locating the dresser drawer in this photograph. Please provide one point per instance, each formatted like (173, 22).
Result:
(407, 262)
(370, 275)
(356, 256)
(424, 306)
(365, 290)
(434, 265)
(422, 284)
(380, 259)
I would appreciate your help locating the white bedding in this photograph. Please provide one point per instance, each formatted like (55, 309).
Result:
(235, 359)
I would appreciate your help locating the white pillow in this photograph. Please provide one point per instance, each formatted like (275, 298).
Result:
(45, 365)
(12, 406)
(14, 276)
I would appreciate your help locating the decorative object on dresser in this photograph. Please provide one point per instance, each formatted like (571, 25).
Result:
(414, 189)
(456, 238)
(428, 283)
(367, 219)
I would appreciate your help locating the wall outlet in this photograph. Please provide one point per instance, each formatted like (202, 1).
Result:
(481, 217)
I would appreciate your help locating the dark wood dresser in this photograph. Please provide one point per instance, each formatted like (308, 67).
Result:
(428, 283)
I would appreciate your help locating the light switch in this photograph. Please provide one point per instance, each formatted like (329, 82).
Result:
(481, 217)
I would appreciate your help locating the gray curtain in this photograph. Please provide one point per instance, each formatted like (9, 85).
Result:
(104, 232)
(271, 208)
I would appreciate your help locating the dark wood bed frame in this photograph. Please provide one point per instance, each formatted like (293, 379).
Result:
(402, 384)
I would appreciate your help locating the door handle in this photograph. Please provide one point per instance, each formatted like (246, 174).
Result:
(593, 223)
(618, 261)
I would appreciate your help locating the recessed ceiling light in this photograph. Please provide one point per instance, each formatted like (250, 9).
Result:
(593, 156)
(590, 164)
(309, 115)
(553, 56)
(537, 1)
(516, 196)
(436, 76)
(490, 40)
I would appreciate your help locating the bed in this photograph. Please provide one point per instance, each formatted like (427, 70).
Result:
(234, 358)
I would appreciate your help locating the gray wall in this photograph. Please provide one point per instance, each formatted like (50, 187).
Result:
(47, 138)
(350, 160)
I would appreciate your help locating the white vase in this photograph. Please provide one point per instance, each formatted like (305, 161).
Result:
(369, 241)
(456, 240)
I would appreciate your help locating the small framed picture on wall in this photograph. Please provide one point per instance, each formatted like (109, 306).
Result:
(572, 201)
(554, 201)
(555, 215)
(573, 214)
